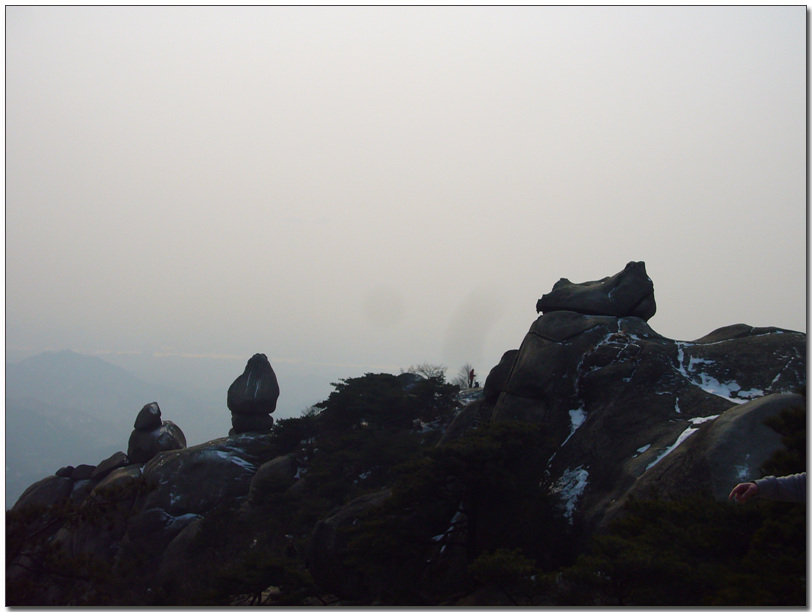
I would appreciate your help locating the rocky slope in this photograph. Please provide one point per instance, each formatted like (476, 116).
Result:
(592, 409)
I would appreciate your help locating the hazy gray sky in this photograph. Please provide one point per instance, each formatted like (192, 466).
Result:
(386, 186)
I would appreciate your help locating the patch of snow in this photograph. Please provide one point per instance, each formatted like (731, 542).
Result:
(454, 520)
(676, 405)
(700, 420)
(689, 431)
(643, 449)
(730, 391)
(469, 396)
(694, 361)
(300, 472)
(184, 517)
(577, 418)
(682, 437)
(743, 471)
(570, 487)
(236, 461)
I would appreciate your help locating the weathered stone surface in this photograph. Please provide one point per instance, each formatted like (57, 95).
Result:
(326, 548)
(256, 390)
(144, 445)
(82, 472)
(195, 479)
(148, 418)
(81, 489)
(274, 476)
(151, 531)
(45, 492)
(497, 377)
(245, 423)
(113, 462)
(721, 453)
(120, 477)
(65, 471)
(176, 556)
(629, 293)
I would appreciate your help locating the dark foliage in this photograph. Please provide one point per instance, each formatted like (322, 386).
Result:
(468, 516)
(452, 502)
(698, 551)
(39, 563)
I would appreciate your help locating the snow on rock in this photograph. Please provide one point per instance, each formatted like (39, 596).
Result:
(469, 396)
(236, 461)
(691, 430)
(570, 487)
(696, 375)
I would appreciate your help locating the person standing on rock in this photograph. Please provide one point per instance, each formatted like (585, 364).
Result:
(785, 488)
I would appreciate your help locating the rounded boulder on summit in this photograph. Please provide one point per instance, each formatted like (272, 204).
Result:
(151, 435)
(252, 396)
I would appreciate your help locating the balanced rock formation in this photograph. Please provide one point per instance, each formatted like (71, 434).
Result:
(629, 293)
(616, 396)
(152, 435)
(252, 397)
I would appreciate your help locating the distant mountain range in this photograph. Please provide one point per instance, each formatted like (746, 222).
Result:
(65, 408)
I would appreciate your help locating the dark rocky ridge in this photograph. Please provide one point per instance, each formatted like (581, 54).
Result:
(627, 411)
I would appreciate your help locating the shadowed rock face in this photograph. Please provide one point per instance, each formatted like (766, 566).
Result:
(720, 454)
(149, 418)
(144, 445)
(252, 396)
(151, 435)
(616, 395)
(629, 293)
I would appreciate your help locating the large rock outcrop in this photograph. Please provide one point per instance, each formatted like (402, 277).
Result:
(629, 293)
(615, 394)
(252, 397)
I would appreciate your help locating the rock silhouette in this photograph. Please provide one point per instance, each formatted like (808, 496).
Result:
(625, 412)
(151, 435)
(629, 293)
(252, 397)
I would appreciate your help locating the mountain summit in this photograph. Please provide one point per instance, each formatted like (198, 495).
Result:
(563, 481)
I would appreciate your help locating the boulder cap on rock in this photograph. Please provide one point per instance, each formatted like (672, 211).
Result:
(256, 390)
(144, 445)
(149, 418)
(115, 461)
(629, 293)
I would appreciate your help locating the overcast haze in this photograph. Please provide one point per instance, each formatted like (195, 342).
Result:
(376, 187)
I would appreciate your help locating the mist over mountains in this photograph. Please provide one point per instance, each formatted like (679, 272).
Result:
(67, 408)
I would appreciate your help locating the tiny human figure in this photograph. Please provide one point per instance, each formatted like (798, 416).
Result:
(784, 488)
(471, 376)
